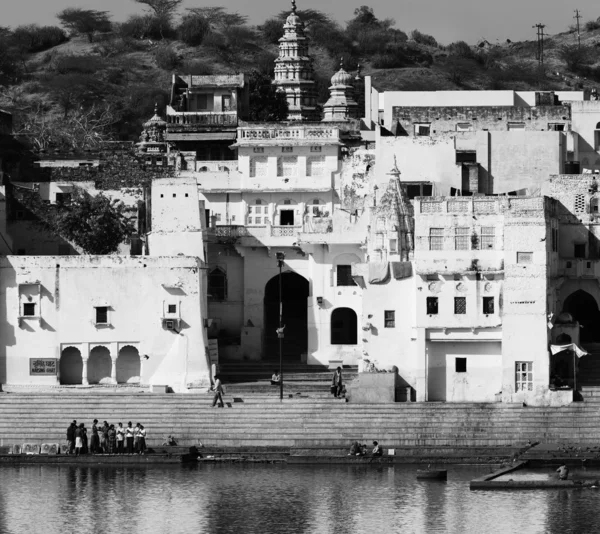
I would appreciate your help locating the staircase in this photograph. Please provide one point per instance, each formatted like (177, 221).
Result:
(254, 378)
(588, 376)
(298, 422)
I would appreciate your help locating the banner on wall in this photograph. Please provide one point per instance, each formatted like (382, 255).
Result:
(555, 349)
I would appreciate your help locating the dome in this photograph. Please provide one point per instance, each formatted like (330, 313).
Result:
(293, 19)
(156, 120)
(341, 77)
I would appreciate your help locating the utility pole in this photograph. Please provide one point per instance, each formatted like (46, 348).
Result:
(540, 40)
(577, 17)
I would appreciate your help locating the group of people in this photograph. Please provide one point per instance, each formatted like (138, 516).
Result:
(106, 439)
(356, 449)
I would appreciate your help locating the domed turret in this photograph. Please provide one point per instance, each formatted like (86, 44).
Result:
(152, 139)
(341, 77)
(341, 106)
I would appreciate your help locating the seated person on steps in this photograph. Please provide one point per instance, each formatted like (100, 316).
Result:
(276, 378)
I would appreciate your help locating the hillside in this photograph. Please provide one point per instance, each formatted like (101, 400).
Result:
(108, 85)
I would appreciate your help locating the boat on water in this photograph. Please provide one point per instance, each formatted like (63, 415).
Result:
(432, 474)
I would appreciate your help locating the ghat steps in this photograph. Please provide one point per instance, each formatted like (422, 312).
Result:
(264, 421)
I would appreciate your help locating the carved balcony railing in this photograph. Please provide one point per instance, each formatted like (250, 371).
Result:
(193, 119)
(292, 134)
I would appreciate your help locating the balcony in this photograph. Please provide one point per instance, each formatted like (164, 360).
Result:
(252, 236)
(225, 166)
(296, 134)
(182, 121)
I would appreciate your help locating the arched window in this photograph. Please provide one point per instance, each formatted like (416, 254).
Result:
(217, 284)
(258, 213)
(344, 327)
(203, 169)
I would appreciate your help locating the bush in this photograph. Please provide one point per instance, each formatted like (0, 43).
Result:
(592, 25)
(77, 64)
(460, 49)
(197, 67)
(192, 30)
(166, 58)
(389, 61)
(575, 58)
(272, 30)
(145, 27)
(34, 38)
(423, 38)
(115, 47)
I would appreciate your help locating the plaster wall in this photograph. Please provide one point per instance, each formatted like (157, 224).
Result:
(481, 381)
(136, 292)
(586, 118)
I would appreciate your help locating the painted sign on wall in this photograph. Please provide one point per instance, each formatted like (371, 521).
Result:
(42, 366)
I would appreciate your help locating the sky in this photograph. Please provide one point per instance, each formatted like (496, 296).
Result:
(446, 20)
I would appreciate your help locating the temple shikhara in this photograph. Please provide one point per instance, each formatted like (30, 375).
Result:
(449, 238)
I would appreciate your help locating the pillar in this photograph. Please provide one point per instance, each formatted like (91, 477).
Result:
(84, 378)
(421, 369)
(113, 369)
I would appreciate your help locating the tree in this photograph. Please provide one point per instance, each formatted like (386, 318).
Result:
(576, 58)
(266, 103)
(84, 21)
(218, 17)
(164, 11)
(95, 223)
(193, 29)
(73, 90)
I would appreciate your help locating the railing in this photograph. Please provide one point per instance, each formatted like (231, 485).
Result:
(285, 231)
(234, 232)
(198, 118)
(217, 166)
(295, 133)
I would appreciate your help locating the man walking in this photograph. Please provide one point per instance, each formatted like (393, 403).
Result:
(218, 389)
(337, 382)
(71, 438)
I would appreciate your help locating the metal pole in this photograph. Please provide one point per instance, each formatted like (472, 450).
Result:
(574, 377)
(280, 335)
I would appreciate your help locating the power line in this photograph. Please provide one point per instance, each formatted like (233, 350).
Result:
(578, 16)
(540, 42)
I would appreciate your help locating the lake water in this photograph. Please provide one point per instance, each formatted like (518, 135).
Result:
(277, 498)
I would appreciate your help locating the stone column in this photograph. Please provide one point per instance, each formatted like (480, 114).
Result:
(421, 370)
(113, 369)
(84, 378)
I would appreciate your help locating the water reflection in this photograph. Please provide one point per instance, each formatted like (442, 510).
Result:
(266, 499)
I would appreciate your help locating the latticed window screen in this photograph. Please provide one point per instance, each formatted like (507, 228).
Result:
(436, 238)
(460, 305)
(579, 204)
(287, 166)
(316, 166)
(258, 214)
(258, 167)
(524, 376)
(461, 238)
(390, 318)
(524, 257)
(488, 237)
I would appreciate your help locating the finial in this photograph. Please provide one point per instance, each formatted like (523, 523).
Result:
(293, 6)
(341, 63)
(156, 108)
(358, 69)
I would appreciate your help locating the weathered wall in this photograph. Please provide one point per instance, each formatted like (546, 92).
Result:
(136, 291)
(586, 117)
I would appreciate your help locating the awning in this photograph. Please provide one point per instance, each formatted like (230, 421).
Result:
(555, 349)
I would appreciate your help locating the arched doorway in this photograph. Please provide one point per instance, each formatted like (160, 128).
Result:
(584, 309)
(128, 365)
(71, 366)
(294, 291)
(344, 327)
(99, 365)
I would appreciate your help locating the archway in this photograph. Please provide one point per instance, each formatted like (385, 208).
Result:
(344, 327)
(294, 292)
(99, 365)
(584, 309)
(71, 366)
(128, 365)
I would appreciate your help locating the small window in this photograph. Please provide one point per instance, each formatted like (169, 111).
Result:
(488, 237)
(315, 149)
(258, 150)
(460, 365)
(524, 376)
(460, 305)
(287, 149)
(29, 309)
(390, 318)
(579, 250)
(63, 198)
(423, 129)
(436, 238)
(101, 315)
(344, 275)
(462, 239)
(515, 126)
(464, 127)
(413, 191)
(556, 127)
(217, 285)
(172, 308)
(525, 257)
(466, 156)
(202, 101)
(432, 305)
(488, 305)
(393, 246)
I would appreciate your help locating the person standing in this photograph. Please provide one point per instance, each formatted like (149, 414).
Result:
(104, 437)
(71, 438)
(129, 436)
(142, 447)
(85, 448)
(337, 382)
(120, 438)
(78, 439)
(95, 441)
(112, 439)
(218, 389)
(136, 438)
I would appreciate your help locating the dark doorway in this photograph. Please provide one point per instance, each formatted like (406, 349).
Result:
(294, 292)
(584, 309)
(287, 217)
(344, 327)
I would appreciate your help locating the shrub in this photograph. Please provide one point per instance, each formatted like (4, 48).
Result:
(389, 61)
(423, 38)
(460, 49)
(197, 67)
(144, 27)
(592, 25)
(115, 46)
(34, 38)
(192, 30)
(77, 64)
(166, 58)
(574, 57)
